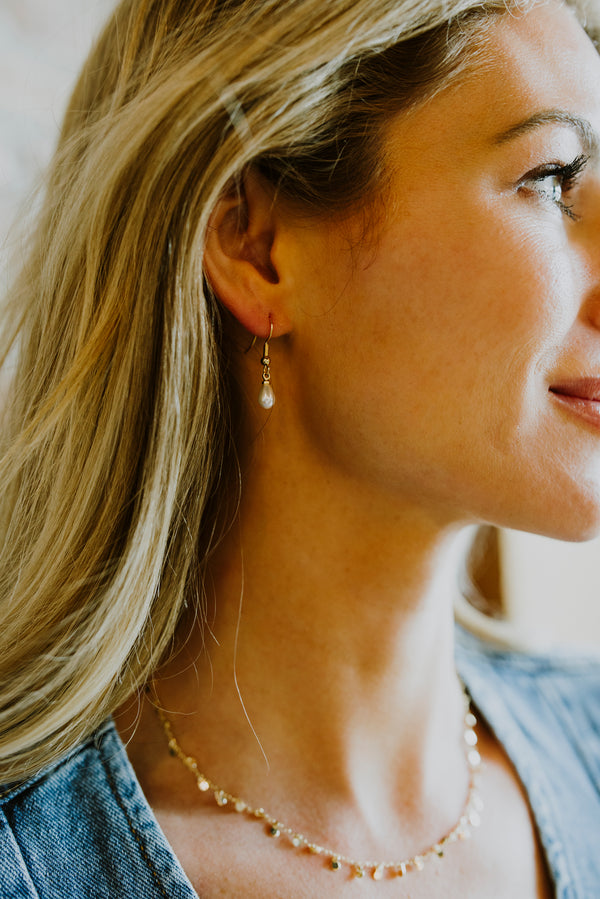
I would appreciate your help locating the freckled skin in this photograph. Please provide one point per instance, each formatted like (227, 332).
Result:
(423, 360)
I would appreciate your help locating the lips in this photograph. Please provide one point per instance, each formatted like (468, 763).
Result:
(581, 396)
(579, 388)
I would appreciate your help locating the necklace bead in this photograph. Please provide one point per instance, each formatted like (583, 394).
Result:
(378, 872)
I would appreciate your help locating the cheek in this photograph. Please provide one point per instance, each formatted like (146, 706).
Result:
(425, 365)
(497, 292)
(468, 307)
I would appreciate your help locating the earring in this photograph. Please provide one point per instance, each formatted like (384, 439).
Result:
(266, 397)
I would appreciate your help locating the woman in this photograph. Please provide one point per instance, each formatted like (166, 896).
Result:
(314, 289)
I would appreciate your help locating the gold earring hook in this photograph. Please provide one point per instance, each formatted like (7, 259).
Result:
(268, 339)
(255, 338)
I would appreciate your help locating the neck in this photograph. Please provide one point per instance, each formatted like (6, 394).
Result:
(328, 670)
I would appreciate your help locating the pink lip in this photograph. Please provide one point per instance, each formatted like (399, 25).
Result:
(581, 396)
(584, 388)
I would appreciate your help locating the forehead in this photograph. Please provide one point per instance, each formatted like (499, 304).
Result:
(531, 63)
(544, 50)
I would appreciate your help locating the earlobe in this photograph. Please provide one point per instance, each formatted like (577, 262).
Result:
(238, 257)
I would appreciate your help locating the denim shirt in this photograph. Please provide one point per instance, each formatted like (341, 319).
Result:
(82, 829)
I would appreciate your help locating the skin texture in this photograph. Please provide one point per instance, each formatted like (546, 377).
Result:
(477, 297)
(412, 373)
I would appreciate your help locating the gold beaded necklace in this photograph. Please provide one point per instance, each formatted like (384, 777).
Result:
(378, 870)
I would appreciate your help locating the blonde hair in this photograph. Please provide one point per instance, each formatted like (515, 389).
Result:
(118, 440)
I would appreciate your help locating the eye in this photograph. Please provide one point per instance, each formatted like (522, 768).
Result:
(553, 183)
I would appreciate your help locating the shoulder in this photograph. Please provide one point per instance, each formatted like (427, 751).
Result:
(550, 683)
(542, 692)
(82, 828)
(545, 709)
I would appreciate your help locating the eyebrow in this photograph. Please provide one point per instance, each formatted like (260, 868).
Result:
(587, 135)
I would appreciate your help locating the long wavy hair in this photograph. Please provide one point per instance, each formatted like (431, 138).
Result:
(117, 470)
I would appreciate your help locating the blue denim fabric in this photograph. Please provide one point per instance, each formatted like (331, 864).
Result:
(546, 713)
(82, 829)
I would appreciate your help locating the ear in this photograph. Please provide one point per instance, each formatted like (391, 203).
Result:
(239, 258)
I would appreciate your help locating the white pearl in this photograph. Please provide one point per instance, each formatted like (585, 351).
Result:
(474, 818)
(474, 758)
(470, 737)
(266, 397)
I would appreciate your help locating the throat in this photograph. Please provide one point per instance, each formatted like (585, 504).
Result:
(356, 866)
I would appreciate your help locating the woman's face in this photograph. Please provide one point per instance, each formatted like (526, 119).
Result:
(424, 357)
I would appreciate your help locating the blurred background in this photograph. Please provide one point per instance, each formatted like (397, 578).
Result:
(42, 45)
(550, 591)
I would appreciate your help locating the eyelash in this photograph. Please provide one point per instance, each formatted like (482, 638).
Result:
(567, 176)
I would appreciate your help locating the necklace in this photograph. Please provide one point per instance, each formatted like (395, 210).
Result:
(378, 870)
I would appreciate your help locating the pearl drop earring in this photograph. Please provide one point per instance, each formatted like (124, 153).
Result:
(266, 397)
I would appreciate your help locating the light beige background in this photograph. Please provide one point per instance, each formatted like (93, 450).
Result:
(552, 589)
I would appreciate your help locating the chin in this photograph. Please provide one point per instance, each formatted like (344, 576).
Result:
(561, 502)
(570, 515)
(577, 534)
(575, 524)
